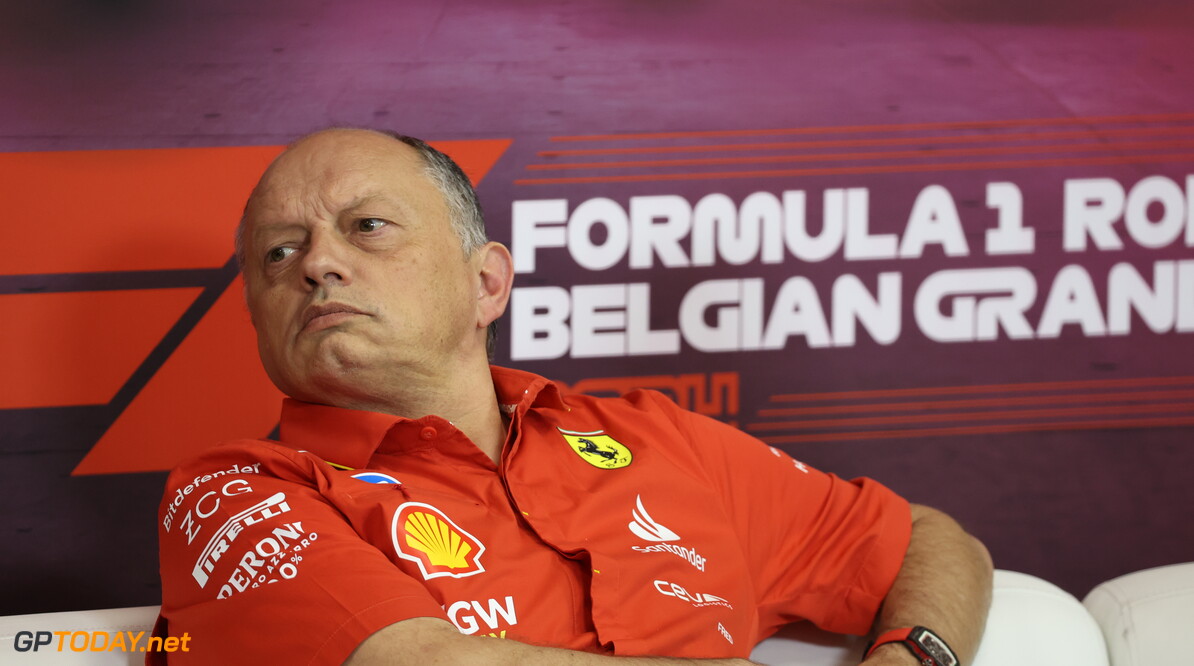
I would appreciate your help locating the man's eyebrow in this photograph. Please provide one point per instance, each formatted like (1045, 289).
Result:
(369, 200)
(261, 229)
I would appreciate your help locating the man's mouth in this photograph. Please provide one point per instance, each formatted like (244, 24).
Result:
(328, 314)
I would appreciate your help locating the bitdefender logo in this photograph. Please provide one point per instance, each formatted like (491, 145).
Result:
(645, 528)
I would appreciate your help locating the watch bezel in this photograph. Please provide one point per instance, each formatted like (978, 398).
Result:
(932, 645)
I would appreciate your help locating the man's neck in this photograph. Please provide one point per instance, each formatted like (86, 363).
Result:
(465, 397)
(476, 413)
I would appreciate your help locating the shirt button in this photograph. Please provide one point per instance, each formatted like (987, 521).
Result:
(428, 432)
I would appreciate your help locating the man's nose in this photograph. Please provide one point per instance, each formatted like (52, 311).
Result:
(326, 261)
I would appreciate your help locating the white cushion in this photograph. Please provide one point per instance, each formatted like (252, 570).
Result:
(1146, 616)
(1032, 623)
(1035, 623)
(802, 644)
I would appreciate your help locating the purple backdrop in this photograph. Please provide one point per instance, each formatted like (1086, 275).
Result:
(1075, 504)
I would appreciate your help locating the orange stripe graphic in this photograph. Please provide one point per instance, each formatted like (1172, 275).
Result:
(1099, 135)
(700, 392)
(124, 210)
(961, 417)
(475, 156)
(79, 348)
(1106, 424)
(876, 155)
(1077, 384)
(212, 387)
(1004, 415)
(1139, 396)
(965, 124)
(137, 210)
(894, 168)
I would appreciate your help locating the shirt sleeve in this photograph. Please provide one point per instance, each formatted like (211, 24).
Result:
(258, 566)
(820, 548)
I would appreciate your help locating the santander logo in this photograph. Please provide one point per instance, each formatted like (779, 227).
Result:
(645, 528)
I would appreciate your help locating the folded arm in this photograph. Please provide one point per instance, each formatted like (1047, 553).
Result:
(944, 584)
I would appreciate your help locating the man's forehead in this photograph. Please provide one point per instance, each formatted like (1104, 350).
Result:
(352, 139)
(335, 154)
(340, 168)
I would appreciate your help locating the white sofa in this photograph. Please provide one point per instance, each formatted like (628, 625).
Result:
(1032, 623)
(1147, 616)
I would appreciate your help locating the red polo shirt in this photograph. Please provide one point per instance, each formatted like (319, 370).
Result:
(623, 525)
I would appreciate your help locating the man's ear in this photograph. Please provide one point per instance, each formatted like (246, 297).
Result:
(496, 273)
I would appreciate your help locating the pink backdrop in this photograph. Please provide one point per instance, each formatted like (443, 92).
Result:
(944, 246)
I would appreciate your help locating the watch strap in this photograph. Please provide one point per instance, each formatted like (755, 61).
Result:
(923, 643)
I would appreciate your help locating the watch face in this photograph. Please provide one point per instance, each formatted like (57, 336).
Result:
(936, 648)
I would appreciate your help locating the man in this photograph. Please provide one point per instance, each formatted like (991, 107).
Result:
(421, 505)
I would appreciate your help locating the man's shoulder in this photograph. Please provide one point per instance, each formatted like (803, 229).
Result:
(644, 402)
(514, 386)
(234, 457)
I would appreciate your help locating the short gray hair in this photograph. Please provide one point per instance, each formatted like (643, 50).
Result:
(457, 190)
(464, 208)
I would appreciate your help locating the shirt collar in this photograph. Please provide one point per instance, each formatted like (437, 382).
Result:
(343, 436)
(350, 437)
(518, 390)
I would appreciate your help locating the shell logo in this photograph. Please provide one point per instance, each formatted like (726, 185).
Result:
(424, 535)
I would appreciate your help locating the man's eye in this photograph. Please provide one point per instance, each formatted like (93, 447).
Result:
(370, 224)
(278, 254)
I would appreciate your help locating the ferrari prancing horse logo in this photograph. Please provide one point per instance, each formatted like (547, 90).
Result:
(598, 449)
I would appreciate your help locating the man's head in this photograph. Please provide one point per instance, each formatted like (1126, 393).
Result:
(453, 184)
(365, 260)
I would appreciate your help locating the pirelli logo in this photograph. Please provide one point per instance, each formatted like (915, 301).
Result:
(222, 540)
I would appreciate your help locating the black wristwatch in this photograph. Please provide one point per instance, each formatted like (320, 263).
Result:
(923, 643)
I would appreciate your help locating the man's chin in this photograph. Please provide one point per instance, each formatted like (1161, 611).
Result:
(324, 353)
(328, 381)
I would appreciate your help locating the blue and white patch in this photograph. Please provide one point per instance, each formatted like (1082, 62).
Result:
(376, 477)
